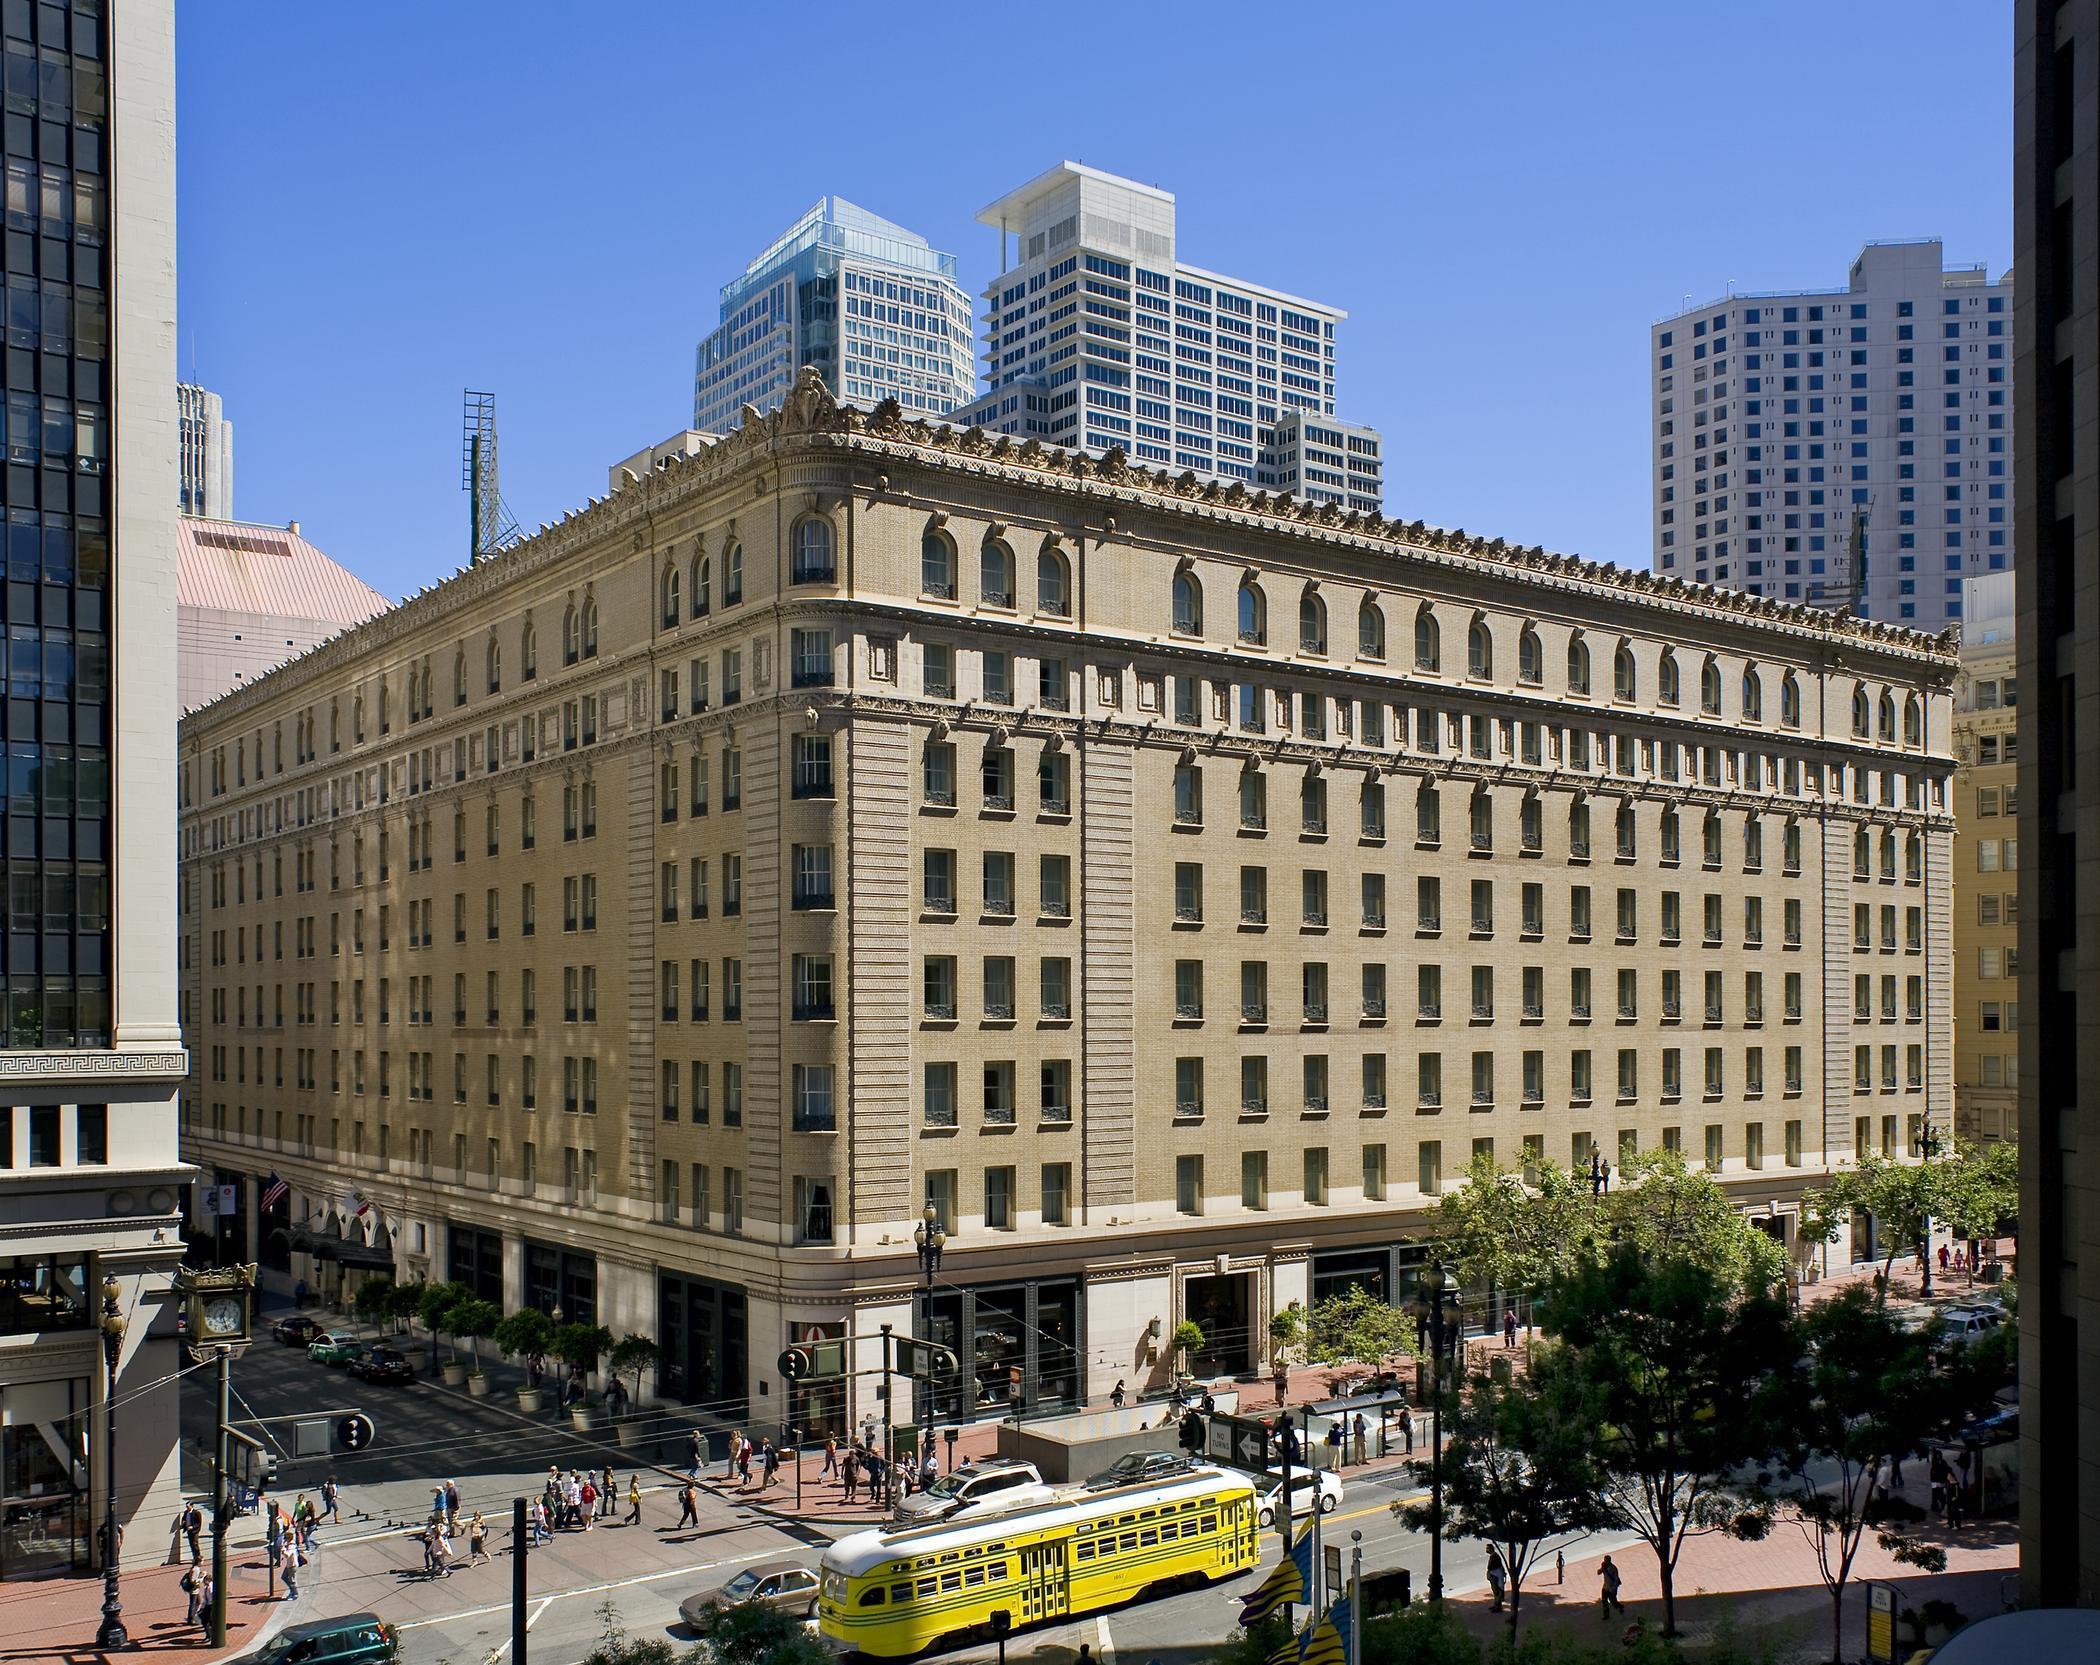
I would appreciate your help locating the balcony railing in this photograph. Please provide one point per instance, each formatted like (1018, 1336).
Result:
(1189, 1011)
(1000, 1011)
(1713, 1014)
(1254, 1011)
(1057, 1011)
(1316, 1011)
(941, 1010)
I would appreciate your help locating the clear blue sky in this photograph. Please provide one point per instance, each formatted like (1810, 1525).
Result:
(383, 204)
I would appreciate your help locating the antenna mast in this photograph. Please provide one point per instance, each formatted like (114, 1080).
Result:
(491, 527)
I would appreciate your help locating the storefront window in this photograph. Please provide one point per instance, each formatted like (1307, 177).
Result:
(1023, 1338)
(43, 1479)
(43, 1292)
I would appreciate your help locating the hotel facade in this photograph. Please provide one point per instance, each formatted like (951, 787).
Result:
(1172, 886)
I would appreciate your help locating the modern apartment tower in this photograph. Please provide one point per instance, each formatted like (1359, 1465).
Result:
(207, 452)
(1840, 447)
(873, 308)
(2056, 216)
(1097, 336)
(91, 1180)
(1174, 887)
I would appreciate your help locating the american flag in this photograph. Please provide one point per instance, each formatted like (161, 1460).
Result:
(273, 1193)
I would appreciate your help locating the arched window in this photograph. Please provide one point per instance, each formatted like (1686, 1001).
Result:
(733, 575)
(995, 574)
(814, 560)
(1862, 714)
(571, 635)
(1428, 650)
(528, 652)
(1913, 722)
(1887, 713)
(459, 677)
(590, 628)
(1531, 658)
(357, 720)
(1710, 686)
(667, 597)
(1578, 665)
(1254, 613)
(1370, 630)
(1053, 587)
(1789, 701)
(1625, 678)
(495, 665)
(1666, 687)
(937, 565)
(1480, 649)
(703, 582)
(1188, 604)
(1753, 695)
(1312, 623)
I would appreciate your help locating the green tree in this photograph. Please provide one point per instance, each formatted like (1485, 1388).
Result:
(1424, 1633)
(632, 1355)
(527, 1335)
(1287, 1332)
(1976, 1191)
(580, 1345)
(1187, 1341)
(1498, 1229)
(403, 1300)
(1254, 1644)
(1666, 1371)
(435, 1301)
(472, 1320)
(1515, 1476)
(1864, 1391)
(372, 1300)
(1900, 1196)
(752, 1634)
(1671, 1211)
(1355, 1327)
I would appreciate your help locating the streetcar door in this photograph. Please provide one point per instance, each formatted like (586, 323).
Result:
(1053, 1579)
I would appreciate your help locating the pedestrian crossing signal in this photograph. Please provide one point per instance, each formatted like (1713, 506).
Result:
(795, 1363)
(355, 1431)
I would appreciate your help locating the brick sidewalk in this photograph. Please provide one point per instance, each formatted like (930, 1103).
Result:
(53, 1621)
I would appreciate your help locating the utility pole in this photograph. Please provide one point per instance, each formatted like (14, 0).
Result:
(222, 1500)
(520, 1541)
(889, 1429)
(1355, 1639)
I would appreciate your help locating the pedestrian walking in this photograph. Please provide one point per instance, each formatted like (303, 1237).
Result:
(291, 1575)
(193, 1529)
(1509, 1327)
(299, 1293)
(190, 1586)
(608, 1492)
(929, 1471)
(440, 1550)
(831, 1457)
(451, 1508)
(1608, 1601)
(1498, 1578)
(1116, 1395)
(428, 1537)
(634, 1500)
(699, 1461)
(849, 1473)
(206, 1592)
(1946, 1255)
(1363, 1431)
(332, 1500)
(743, 1465)
(769, 1464)
(1282, 1380)
(732, 1454)
(587, 1503)
(688, 1506)
(305, 1519)
(478, 1540)
(273, 1536)
(1407, 1429)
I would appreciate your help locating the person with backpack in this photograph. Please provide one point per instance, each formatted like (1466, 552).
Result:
(190, 1586)
(206, 1592)
(1608, 1597)
(688, 1506)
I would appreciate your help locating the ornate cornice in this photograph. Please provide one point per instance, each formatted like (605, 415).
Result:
(52, 1066)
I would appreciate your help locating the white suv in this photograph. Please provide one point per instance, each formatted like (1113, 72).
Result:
(983, 1488)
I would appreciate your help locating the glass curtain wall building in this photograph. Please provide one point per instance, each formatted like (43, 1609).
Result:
(873, 307)
(1098, 335)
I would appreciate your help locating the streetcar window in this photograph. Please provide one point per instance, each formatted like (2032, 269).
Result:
(1210, 1523)
(973, 1575)
(900, 1593)
(873, 1597)
(998, 1570)
(1127, 1541)
(1169, 1529)
(1086, 1552)
(951, 1581)
(927, 1586)
(1148, 1537)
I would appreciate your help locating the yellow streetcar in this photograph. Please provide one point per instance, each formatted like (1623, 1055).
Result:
(890, 1595)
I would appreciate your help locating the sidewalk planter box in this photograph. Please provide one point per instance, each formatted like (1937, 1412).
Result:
(629, 1432)
(478, 1385)
(455, 1373)
(529, 1398)
(580, 1418)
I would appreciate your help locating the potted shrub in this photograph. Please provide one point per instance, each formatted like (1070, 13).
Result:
(434, 1308)
(528, 1337)
(1188, 1341)
(632, 1355)
(374, 1301)
(578, 1346)
(400, 1304)
(470, 1321)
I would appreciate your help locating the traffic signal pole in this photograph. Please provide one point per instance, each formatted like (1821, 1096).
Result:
(222, 1500)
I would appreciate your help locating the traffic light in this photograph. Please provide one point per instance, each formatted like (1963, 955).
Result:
(795, 1363)
(355, 1431)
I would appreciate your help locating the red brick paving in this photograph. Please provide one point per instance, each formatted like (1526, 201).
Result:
(53, 1621)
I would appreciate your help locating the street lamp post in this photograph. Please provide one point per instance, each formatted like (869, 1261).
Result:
(931, 1240)
(112, 1633)
(1435, 1298)
(1928, 1148)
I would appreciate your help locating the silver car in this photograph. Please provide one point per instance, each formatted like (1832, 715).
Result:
(977, 1489)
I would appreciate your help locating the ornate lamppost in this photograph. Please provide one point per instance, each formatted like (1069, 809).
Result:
(1436, 1304)
(1928, 1148)
(931, 1239)
(112, 1633)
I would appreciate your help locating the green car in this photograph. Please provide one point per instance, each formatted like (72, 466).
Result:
(335, 1347)
(353, 1639)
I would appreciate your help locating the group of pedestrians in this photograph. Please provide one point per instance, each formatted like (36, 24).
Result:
(741, 1456)
(288, 1541)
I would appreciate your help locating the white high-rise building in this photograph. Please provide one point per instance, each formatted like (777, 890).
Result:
(874, 308)
(1097, 335)
(207, 452)
(1842, 447)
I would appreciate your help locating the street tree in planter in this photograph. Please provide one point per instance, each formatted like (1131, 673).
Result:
(1356, 1327)
(433, 1307)
(374, 1300)
(1187, 1343)
(402, 1302)
(1671, 1372)
(1515, 1474)
(630, 1356)
(1899, 1195)
(472, 1320)
(1865, 1388)
(527, 1336)
(579, 1346)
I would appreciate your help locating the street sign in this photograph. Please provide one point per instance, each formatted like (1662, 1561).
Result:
(355, 1431)
(220, 1201)
(923, 1358)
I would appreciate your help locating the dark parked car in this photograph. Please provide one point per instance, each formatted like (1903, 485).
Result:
(383, 1364)
(296, 1331)
(1136, 1466)
(786, 1585)
(354, 1639)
